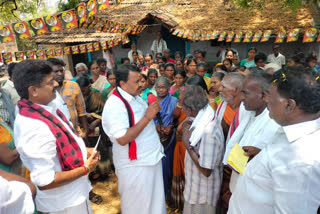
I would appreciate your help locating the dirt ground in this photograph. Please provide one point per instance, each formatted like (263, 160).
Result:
(108, 189)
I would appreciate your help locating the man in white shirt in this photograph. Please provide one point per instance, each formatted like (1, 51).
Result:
(48, 145)
(158, 45)
(9, 87)
(277, 57)
(16, 194)
(137, 151)
(284, 177)
(134, 48)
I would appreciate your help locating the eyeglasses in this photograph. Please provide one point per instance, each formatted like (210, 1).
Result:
(161, 87)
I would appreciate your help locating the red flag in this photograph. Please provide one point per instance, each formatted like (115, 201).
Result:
(81, 14)
(69, 19)
(6, 34)
(21, 30)
(310, 34)
(19, 55)
(7, 57)
(40, 54)
(52, 23)
(103, 4)
(38, 26)
(30, 54)
(91, 8)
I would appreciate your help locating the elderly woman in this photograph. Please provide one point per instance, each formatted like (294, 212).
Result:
(165, 127)
(216, 84)
(99, 81)
(204, 142)
(81, 68)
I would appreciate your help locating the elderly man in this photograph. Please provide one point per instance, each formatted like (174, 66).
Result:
(277, 57)
(137, 151)
(284, 176)
(47, 143)
(134, 48)
(204, 141)
(260, 130)
(158, 45)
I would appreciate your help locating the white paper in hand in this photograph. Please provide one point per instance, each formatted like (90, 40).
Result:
(96, 147)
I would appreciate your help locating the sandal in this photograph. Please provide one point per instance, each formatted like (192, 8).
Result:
(95, 198)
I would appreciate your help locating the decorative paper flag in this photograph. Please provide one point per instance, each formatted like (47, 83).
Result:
(52, 23)
(209, 32)
(58, 51)
(126, 40)
(49, 53)
(116, 28)
(104, 45)
(230, 36)
(176, 31)
(101, 25)
(257, 36)
(66, 50)
(96, 46)
(75, 49)
(69, 19)
(94, 22)
(89, 47)
(222, 36)
(30, 54)
(83, 48)
(19, 55)
(185, 34)
(266, 36)
(180, 34)
(116, 42)
(215, 34)
(7, 57)
(6, 34)
(81, 14)
(110, 43)
(238, 37)
(293, 35)
(91, 8)
(40, 54)
(318, 39)
(310, 34)
(103, 4)
(281, 36)
(38, 26)
(197, 35)
(248, 36)
(135, 29)
(128, 29)
(203, 35)
(21, 30)
(142, 28)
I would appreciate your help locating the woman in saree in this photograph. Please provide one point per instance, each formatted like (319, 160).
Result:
(152, 76)
(107, 92)
(99, 81)
(179, 80)
(216, 84)
(165, 128)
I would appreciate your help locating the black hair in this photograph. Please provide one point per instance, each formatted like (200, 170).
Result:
(149, 55)
(179, 53)
(164, 59)
(30, 72)
(179, 60)
(122, 73)
(10, 68)
(220, 75)
(222, 67)
(152, 71)
(188, 56)
(56, 61)
(135, 52)
(144, 76)
(300, 56)
(191, 60)
(203, 53)
(203, 65)
(124, 59)
(101, 60)
(181, 72)
(170, 64)
(159, 53)
(242, 68)
(229, 60)
(91, 63)
(260, 56)
(253, 48)
(300, 84)
(197, 80)
(110, 72)
(295, 59)
(310, 58)
(83, 81)
(161, 66)
(233, 53)
(255, 70)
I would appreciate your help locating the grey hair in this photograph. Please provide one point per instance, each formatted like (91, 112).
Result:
(79, 65)
(262, 78)
(236, 79)
(195, 98)
(220, 74)
(164, 80)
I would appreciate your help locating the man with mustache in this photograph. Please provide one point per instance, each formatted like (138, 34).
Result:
(137, 151)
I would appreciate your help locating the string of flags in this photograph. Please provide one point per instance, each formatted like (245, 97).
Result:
(310, 35)
(53, 52)
(83, 16)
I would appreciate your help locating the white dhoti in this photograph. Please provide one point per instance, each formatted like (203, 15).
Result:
(83, 208)
(141, 189)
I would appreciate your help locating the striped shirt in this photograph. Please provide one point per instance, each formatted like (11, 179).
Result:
(200, 189)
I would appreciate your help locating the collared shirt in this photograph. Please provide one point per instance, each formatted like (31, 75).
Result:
(130, 54)
(284, 177)
(200, 189)
(158, 47)
(280, 59)
(38, 151)
(115, 123)
(71, 94)
(15, 197)
(12, 92)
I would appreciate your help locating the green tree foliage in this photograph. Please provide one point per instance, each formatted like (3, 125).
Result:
(63, 6)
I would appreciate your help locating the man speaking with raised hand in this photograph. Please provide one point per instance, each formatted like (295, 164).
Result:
(137, 151)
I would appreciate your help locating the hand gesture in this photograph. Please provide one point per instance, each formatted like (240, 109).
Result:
(251, 151)
(152, 110)
(92, 162)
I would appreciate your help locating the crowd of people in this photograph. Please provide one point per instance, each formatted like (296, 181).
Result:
(167, 125)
